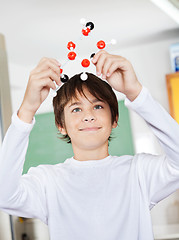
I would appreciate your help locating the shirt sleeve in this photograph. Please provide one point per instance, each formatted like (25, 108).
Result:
(158, 175)
(20, 195)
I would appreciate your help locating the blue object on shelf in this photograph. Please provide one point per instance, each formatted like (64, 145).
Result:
(177, 64)
(174, 57)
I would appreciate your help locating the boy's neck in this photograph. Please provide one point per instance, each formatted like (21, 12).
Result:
(86, 155)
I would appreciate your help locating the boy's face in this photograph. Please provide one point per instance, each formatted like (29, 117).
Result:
(87, 122)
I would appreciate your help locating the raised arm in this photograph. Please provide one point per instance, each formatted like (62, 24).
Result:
(16, 191)
(158, 175)
(120, 74)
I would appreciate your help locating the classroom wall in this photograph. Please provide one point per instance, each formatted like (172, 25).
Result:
(152, 62)
(5, 230)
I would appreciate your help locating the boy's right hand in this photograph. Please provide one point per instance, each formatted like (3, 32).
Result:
(38, 87)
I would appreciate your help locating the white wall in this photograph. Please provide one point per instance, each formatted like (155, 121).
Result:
(5, 230)
(151, 62)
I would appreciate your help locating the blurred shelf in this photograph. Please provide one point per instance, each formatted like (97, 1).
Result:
(166, 232)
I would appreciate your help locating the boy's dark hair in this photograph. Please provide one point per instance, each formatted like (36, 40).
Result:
(97, 87)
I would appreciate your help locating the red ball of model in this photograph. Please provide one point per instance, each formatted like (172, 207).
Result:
(85, 63)
(71, 55)
(71, 45)
(101, 44)
(61, 70)
(86, 31)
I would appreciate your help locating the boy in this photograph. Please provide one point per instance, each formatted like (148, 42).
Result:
(92, 195)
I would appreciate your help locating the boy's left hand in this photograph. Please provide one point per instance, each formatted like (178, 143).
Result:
(119, 73)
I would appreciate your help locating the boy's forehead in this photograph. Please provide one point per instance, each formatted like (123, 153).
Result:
(82, 98)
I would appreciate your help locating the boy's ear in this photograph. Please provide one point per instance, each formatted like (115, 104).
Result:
(114, 125)
(62, 130)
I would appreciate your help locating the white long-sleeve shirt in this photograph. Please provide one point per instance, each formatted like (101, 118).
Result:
(107, 199)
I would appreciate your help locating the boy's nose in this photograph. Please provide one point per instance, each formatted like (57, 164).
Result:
(89, 118)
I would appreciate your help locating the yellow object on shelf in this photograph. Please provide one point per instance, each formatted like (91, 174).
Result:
(173, 94)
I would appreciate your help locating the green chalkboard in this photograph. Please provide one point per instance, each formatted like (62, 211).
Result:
(45, 147)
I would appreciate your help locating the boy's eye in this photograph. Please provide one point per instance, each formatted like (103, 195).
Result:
(76, 110)
(98, 107)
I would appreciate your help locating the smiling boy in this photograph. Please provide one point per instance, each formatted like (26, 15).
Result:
(86, 118)
(92, 195)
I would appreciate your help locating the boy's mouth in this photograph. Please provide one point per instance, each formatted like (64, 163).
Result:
(87, 129)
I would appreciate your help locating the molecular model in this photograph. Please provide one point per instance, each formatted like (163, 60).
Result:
(86, 30)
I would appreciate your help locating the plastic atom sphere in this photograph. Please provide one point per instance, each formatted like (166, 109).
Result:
(92, 55)
(86, 31)
(64, 78)
(71, 55)
(83, 21)
(71, 45)
(113, 41)
(101, 44)
(84, 76)
(90, 25)
(61, 70)
(85, 63)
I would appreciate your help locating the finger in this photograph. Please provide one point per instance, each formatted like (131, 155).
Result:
(56, 64)
(49, 73)
(44, 59)
(114, 66)
(48, 83)
(53, 76)
(97, 55)
(55, 61)
(100, 63)
(107, 64)
(46, 63)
